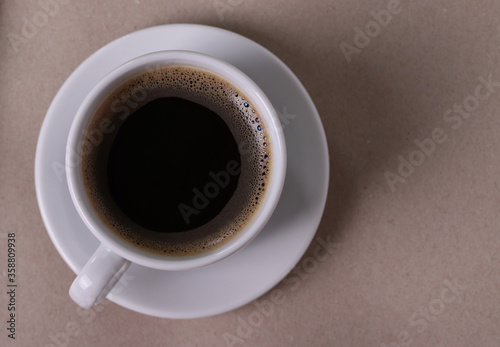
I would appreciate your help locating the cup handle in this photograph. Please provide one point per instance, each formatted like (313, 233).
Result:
(102, 271)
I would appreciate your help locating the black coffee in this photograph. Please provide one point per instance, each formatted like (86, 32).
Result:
(176, 160)
(162, 152)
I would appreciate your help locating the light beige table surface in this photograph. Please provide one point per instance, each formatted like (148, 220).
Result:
(416, 232)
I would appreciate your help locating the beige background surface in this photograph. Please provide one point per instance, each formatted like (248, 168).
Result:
(416, 265)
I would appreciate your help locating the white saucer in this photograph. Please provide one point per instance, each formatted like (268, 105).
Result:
(252, 271)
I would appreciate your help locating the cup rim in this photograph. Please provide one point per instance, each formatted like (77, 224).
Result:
(123, 73)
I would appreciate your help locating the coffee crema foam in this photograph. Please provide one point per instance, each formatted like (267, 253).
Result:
(218, 95)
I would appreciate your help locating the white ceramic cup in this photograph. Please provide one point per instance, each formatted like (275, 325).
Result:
(114, 255)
